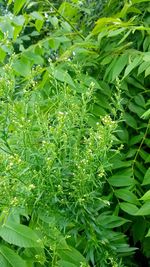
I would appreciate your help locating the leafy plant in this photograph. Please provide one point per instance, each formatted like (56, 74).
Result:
(74, 133)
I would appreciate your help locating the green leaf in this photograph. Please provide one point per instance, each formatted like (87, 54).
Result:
(103, 22)
(147, 72)
(2, 55)
(146, 114)
(36, 15)
(136, 109)
(144, 210)
(139, 100)
(62, 75)
(129, 208)
(22, 66)
(137, 60)
(126, 195)
(119, 66)
(136, 139)
(8, 258)
(19, 235)
(146, 196)
(139, 1)
(122, 178)
(130, 120)
(146, 177)
(143, 67)
(18, 4)
(111, 221)
(71, 255)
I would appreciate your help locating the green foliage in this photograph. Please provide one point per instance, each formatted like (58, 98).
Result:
(74, 133)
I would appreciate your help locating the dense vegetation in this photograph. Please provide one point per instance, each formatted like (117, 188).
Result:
(74, 133)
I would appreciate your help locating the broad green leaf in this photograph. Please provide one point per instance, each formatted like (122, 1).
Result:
(146, 196)
(8, 258)
(137, 60)
(136, 109)
(146, 177)
(122, 178)
(32, 57)
(39, 24)
(119, 66)
(130, 120)
(98, 111)
(68, 10)
(129, 208)
(22, 66)
(139, 100)
(126, 195)
(18, 4)
(62, 75)
(19, 235)
(145, 209)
